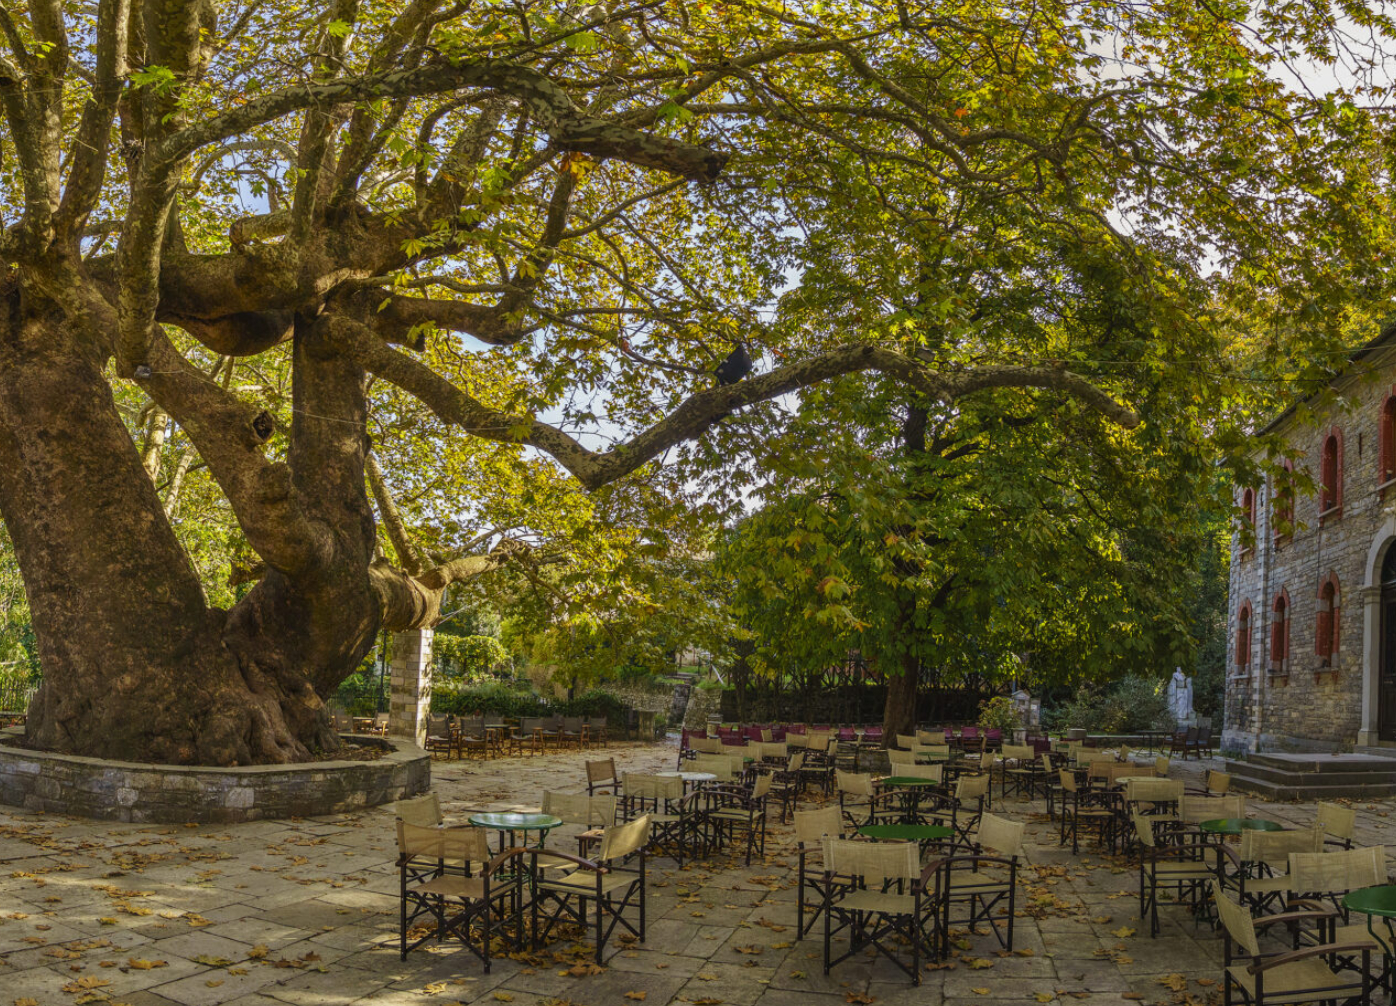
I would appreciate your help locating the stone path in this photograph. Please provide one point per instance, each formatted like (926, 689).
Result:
(305, 913)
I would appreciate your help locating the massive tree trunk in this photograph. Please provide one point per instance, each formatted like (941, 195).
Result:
(136, 664)
(899, 714)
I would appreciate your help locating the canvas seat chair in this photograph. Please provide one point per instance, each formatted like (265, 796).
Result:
(785, 784)
(733, 809)
(1261, 864)
(677, 827)
(591, 813)
(1021, 772)
(1154, 797)
(1303, 975)
(1318, 880)
(900, 758)
(977, 884)
(707, 745)
(861, 804)
(598, 731)
(437, 881)
(1214, 783)
(1180, 864)
(811, 828)
(1338, 824)
(959, 808)
(720, 765)
(1196, 809)
(906, 741)
(602, 777)
(441, 735)
(879, 896)
(574, 732)
(1083, 809)
(611, 885)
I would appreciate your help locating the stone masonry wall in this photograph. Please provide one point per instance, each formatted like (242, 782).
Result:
(1304, 706)
(177, 794)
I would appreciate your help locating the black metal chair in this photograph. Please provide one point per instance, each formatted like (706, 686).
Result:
(611, 885)
(437, 881)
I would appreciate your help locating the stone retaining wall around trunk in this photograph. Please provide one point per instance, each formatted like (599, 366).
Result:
(176, 794)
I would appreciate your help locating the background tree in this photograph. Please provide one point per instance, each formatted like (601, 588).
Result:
(232, 229)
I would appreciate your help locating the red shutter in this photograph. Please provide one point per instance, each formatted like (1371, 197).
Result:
(1323, 634)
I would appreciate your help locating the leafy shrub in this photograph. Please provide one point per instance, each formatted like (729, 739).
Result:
(358, 693)
(998, 713)
(1132, 703)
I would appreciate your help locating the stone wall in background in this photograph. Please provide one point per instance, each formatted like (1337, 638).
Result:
(178, 794)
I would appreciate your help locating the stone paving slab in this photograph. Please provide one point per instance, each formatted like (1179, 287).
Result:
(304, 913)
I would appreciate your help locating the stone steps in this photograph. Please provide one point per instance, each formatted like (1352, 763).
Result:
(1364, 775)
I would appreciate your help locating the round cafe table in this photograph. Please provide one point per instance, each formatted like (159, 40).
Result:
(509, 823)
(1236, 825)
(691, 780)
(1375, 903)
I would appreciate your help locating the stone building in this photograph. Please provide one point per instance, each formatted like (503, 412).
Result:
(1311, 658)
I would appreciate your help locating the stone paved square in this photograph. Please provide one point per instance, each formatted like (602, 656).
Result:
(304, 912)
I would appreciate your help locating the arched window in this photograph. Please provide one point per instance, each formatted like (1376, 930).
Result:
(1279, 633)
(1331, 475)
(1326, 627)
(1282, 517)
(1247, 513)
(1243, 638)
(1387, 471)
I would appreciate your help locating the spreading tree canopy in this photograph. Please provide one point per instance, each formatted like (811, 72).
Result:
(241, 240)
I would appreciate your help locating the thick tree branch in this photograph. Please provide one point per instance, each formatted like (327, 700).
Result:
(407, 555)
(701, 409)
(89, 161)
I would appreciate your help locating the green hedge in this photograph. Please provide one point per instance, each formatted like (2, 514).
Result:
(498, 699)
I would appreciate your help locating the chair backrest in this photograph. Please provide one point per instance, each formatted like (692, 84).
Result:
(986, 760)
(796, 740)
(875, 862)
(1237, 921)
(819, 741)
(1143, 828)
(620, 840)
(707, 745)
(796, 762)
(572, 724)
(899, 757)
(1161, 766)
(914, 771)
(718, 765)
(1019, 752)
(638, 785)
(811, 826)
(907, 741)
(1219, 783)
(1192, 809)
(853, 783)
(1000, 834)
(1337, 821)
(456, 844)
(928, 737)
(602, 771)
(531, 723)
(578, 808)
(1191, 736)
(760, 787)
(969, 733)
(774, 751)
(423, 811)
(1273, 847)
(1154, 790)
(1068, 780)
(1337, 872)
(971, 787)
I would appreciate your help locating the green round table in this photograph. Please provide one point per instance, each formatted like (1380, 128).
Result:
(509, 822)
(906, 832)
(1375, 903)
(1236, 825)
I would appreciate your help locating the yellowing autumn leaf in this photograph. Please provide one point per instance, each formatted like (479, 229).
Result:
(1122, 932)
(503, 997)
(637, 996)
(141, 964)
(980, 992)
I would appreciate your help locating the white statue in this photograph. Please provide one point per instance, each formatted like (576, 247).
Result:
(1180, 696)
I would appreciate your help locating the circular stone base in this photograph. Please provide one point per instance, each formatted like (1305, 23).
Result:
(178, 794)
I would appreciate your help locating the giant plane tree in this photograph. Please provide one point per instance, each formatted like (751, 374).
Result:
(522, 216)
